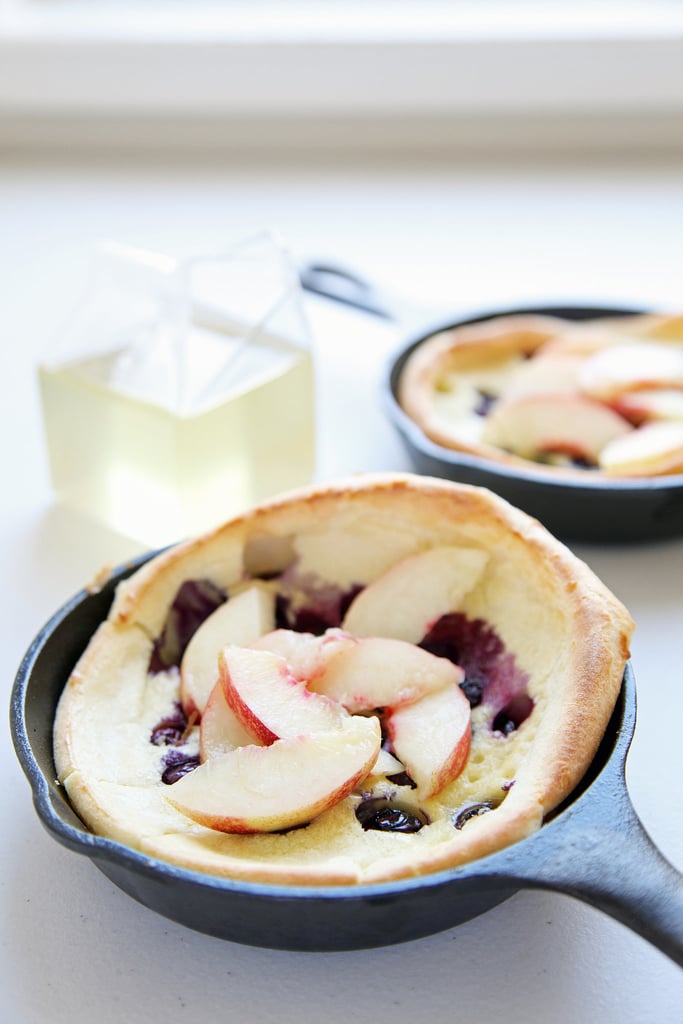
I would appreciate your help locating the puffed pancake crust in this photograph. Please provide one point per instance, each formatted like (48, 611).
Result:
(538, 394)
(419, 576)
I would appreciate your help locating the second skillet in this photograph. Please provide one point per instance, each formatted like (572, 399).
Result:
(597, 509)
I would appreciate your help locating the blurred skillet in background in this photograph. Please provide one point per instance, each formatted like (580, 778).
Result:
(595, 509)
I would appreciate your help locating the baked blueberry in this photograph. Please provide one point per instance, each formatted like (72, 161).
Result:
(473, 811)
(176, 764)
(515, 712)
(383, 816)
(170, 730)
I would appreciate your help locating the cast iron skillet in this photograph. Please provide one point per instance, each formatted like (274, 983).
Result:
(593, 509)
(594, 848)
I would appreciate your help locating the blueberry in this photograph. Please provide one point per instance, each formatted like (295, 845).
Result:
(309, 620)
(176, 767)
(381, 816)
(470, 643)
(169, 731)
(473, 690)
(167, 734)
(513, 714)
(503, 724)
(473, 811)
(484, 402)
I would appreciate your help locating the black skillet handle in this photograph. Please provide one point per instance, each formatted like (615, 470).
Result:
(603, 856)
(351, 289)
(347, 287)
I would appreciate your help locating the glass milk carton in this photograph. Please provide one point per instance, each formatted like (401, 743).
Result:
(181, 393)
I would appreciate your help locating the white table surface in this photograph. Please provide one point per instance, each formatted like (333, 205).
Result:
(74, 947)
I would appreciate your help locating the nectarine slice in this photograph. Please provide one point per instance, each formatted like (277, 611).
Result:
(404, 601)
(652, 450)
(432, 738)
(378, 672)
(220, 730)
(535, 424)
(267, 698)
(290, 782)
(240, 620)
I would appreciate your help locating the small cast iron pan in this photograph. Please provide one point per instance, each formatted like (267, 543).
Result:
(594, 848)
(594, 509)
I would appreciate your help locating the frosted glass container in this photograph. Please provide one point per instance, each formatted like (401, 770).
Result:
(181, 394)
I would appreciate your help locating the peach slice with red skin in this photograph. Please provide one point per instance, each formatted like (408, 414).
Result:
(634, 366)
(220, 730)
(361, 673)
(545, 374)
(655, 449)
(379, 672)
(405, 600)
(650, 404)
(269, 701)
(572, 424)
(240, 620)
(432, 738)
(307, 655)
(288, 783)
(387, 764)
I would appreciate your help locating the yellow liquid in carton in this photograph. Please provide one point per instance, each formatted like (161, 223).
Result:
(160, 476)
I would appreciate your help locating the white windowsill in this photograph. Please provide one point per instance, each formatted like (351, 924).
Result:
(260, 62)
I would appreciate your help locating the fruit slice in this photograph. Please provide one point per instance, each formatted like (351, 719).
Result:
(240, 620)
(631, 367)
(545, 374)
(269, 701)
(220, 730)
(290, 782)
(650, 404)
(307, 655)
(387, 764)
(534, 424)
(377, 672)
(432, 738)
(405, 600)
(652, 450)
